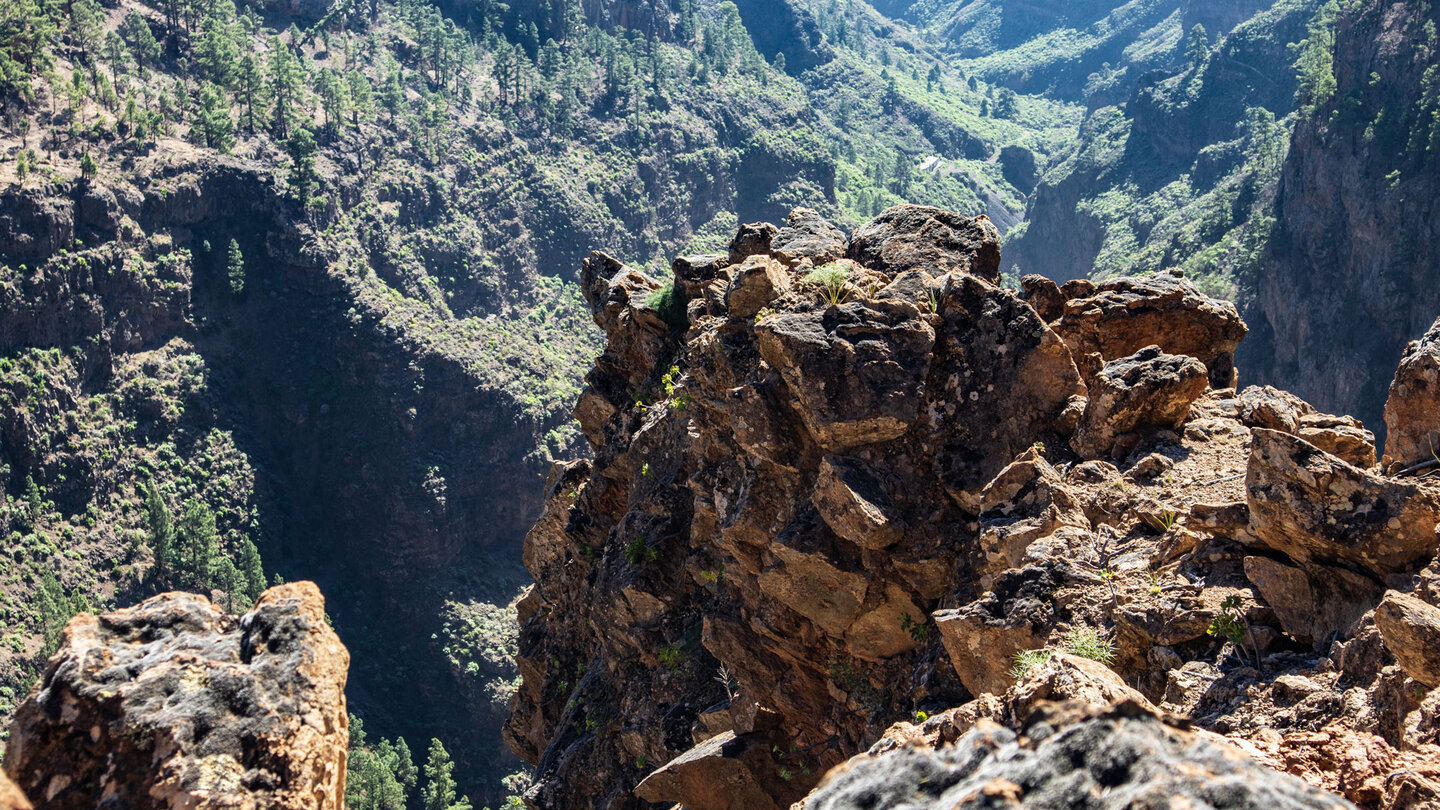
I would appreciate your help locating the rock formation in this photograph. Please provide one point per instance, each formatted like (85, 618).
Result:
(863, 484)
(175, 704)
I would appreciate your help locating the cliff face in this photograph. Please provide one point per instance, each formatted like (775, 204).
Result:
(314, 412)
(174, 703)
(1349, 280)
(846, 496)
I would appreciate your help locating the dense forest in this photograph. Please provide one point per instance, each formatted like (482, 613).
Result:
(289, 286)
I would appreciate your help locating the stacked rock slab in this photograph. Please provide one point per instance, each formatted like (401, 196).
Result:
(865, 477)
(176, 704)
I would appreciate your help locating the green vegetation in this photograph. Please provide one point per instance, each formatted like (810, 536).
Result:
(439, 792)
(1082, 642)
(831, 281)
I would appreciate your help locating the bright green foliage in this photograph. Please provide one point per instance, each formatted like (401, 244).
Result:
(213, 127)
(1315, 66)
(27, 31)
(1087, 643)
(285, 75)
(670, 303)
(301, 147)
(832, 281)
(440, 792)
(252, 572)
(197, 547)
(1026, 660)
(162, 532)
(88, 169)
(34, 503)
(378, 777)
(141, 41)
(235, 268)
(1197, 46)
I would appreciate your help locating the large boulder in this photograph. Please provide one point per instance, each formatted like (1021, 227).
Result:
(917, 237)
(1410, 628)
(1412, 411)
(983, 637)
(1314, 507)
(1316, 602)
(807, 235)
(857, 371)
(1007, 381)
(1149, 389)
(1117, 758)
(174, 703)
(725, 772)
(1124, 315)
(1267, 407)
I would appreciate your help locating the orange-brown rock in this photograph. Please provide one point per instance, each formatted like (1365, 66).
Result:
(176, 704)
(1412, 411)
(11, 798)
(1124, 315)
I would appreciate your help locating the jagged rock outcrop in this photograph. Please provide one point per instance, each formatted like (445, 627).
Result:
(1412, 411)
(838, 500)
(11, 798)
(1115, 758)
(175, 704)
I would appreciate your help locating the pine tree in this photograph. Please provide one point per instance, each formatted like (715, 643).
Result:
(249, 90)
(34, 503)
(301, 148)
(285, 74)
(213, 127)
(162, 532)
(216, 52)
(235, 268)
(933, 78)
(88, 169)
(197, 545)
(1197, 46)
(251, 569)
(137, 35)
(779, 62)
(439, 792)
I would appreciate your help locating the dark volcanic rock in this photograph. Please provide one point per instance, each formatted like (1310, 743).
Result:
(174, 703)
(1125, 315)
(915, 237)
(807, 235)
(1117, 759)
(1148, 389)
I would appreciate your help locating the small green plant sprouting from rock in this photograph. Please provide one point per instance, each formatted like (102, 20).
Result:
(641, 762)
(921, 717)
(1164, 520)
(638, 551)
(1155, 587)
(831, 281)
(713, 577)
(645, 470)
(1230, 624)
(672, 657)
(670, 303)
(917, 630)
(1026, 660)
(1087, 643)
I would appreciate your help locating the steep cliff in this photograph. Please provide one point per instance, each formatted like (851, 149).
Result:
(1349, 278)
(859, 483)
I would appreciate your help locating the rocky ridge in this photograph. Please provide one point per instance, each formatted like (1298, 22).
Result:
(859, 484)
(174, 703)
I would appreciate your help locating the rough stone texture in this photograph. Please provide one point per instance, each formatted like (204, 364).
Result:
(11, 798)
(1314, 507)
(807, 235)
(1017, 614)
(1316, 602)
(857, 371)
(755, 284)
(1125, 315)
(694, 273)
(175, 704)
(916, 237)
(753, 239)
(813, 522)
(1411, 631)
(1344, 436)
(1149, 389)
(853, 503)
(1069, 678)
(722, 773)
(1044, 295)
(1412, 411)
(1121, 758)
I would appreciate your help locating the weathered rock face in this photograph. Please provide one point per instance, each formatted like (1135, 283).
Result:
(1120, 758)
(10, 796)
(1412, 412)
(814, 513)
(1124, 315)
(175, 704)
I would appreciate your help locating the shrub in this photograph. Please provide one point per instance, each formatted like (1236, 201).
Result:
(670, 303)
(831, 281)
